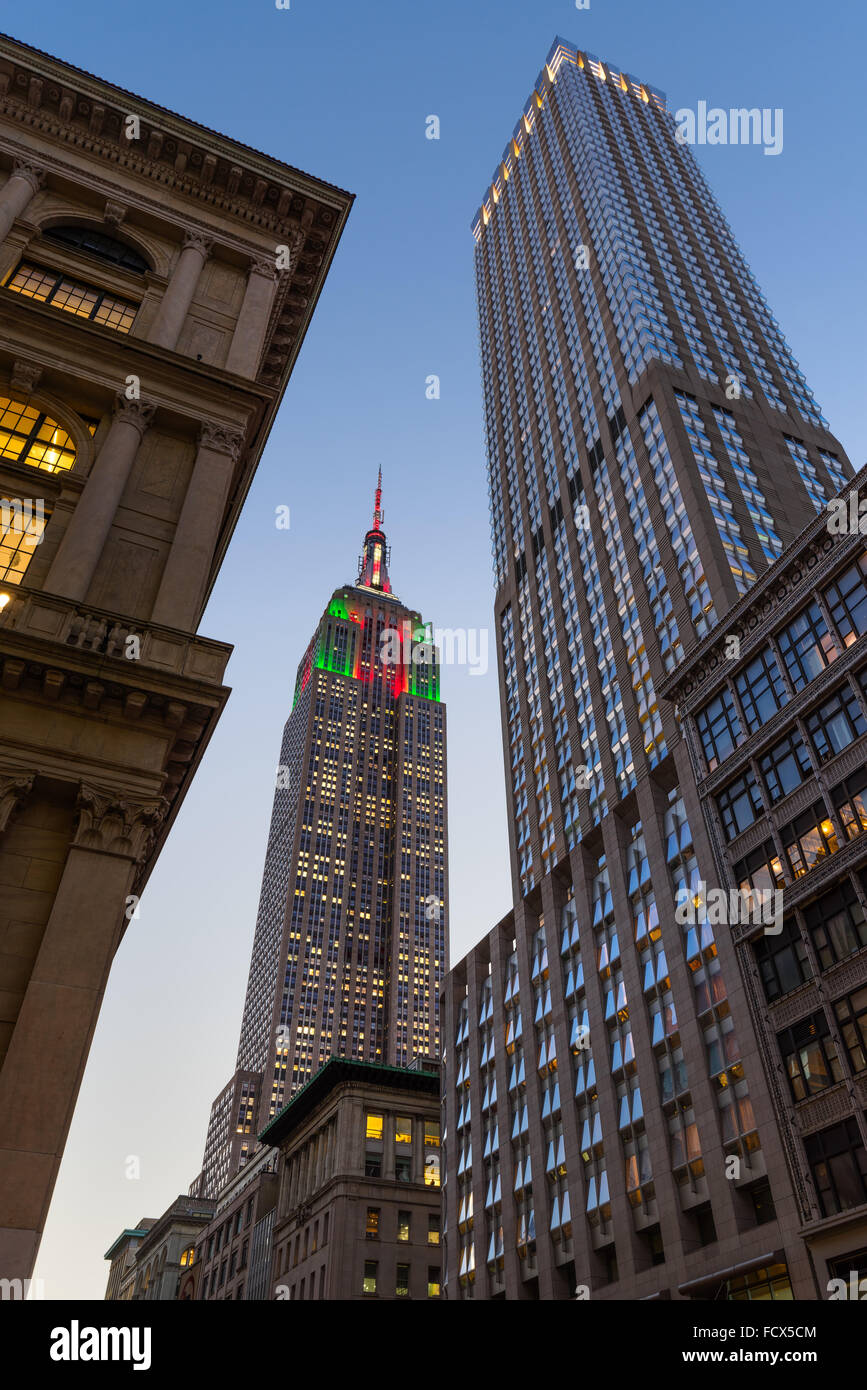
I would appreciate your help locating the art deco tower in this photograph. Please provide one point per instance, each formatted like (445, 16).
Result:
(652, 448)
(350, 947)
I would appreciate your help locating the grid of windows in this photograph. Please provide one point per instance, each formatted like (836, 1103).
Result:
(760, 689)
(836, 924)
(61, 292)
(809, 1056)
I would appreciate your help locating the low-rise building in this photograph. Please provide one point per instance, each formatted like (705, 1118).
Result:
(358, 1212)
(168, 1250)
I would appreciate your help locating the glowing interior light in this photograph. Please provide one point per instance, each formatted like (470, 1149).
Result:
(4, 599)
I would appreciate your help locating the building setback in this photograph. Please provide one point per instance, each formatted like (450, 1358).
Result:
(156, 282)
(778, 740)
(358, 1212)
(351, 940)
(652, 449)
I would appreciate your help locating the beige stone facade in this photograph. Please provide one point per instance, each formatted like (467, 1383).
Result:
(156, 282)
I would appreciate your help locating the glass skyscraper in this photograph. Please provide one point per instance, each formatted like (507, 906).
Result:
(652, 448)
(350, 948)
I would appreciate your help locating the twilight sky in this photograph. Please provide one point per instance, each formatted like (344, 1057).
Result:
(342, 90)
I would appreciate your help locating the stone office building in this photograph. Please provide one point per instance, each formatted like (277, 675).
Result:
(358, 1213)
(149, 322)
(776, 725)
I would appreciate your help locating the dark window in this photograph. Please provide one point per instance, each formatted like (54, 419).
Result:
(809, 838)
(96, 243)
(372, 1165)
(809, 1056)
(836, 924)
(401, 1283)
(404, 1222)
(838, 1163)
(244, 1248)
(851, 1014)
(719, 728)
(847, 601)
(739, 804)
(763, 1203)
(785, 766)
(403, 1169)
(850, 801)
(761, 689)
(836, 723)
(761, 869)
(782, 960)
(807, 646)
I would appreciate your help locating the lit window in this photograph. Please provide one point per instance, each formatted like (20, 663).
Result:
(402, 1131)
(85, 301)
(28, 436)
(432, 1168)
(370, 1269)
(22, 526)
(433, 1282)
(431, 1133)
(401, 1283)
(374, 1127)
(371, 1229)
(404, 1219)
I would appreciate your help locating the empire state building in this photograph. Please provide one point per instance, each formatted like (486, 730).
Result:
(351, 940)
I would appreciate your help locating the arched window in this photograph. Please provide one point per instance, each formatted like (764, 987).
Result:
(29, 436)
(96, 243)
(188, 1256)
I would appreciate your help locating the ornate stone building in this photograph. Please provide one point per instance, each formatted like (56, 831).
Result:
(156, 282)
(774, 709)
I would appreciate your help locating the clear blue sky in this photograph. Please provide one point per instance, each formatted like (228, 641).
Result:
(342, 90)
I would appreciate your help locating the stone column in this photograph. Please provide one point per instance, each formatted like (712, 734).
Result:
(167, 325)
(14, 787)
(84, 539)
(249, 336)
(49, 1045)
(178, 601)
(25, 180)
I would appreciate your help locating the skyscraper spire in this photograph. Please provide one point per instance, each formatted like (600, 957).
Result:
(377, 510)
(373, 565)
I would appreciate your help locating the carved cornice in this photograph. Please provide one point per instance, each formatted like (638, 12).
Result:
(14, 787)
(113, 824)
(220, 439)
(806, 562)
(137, 413)
(779, 723)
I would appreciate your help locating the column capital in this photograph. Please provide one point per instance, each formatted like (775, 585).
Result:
(32, 173)
(14, 787)
(197, 241)
(137, 413)
(116, 824)
(221, 439)
(262, 266)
